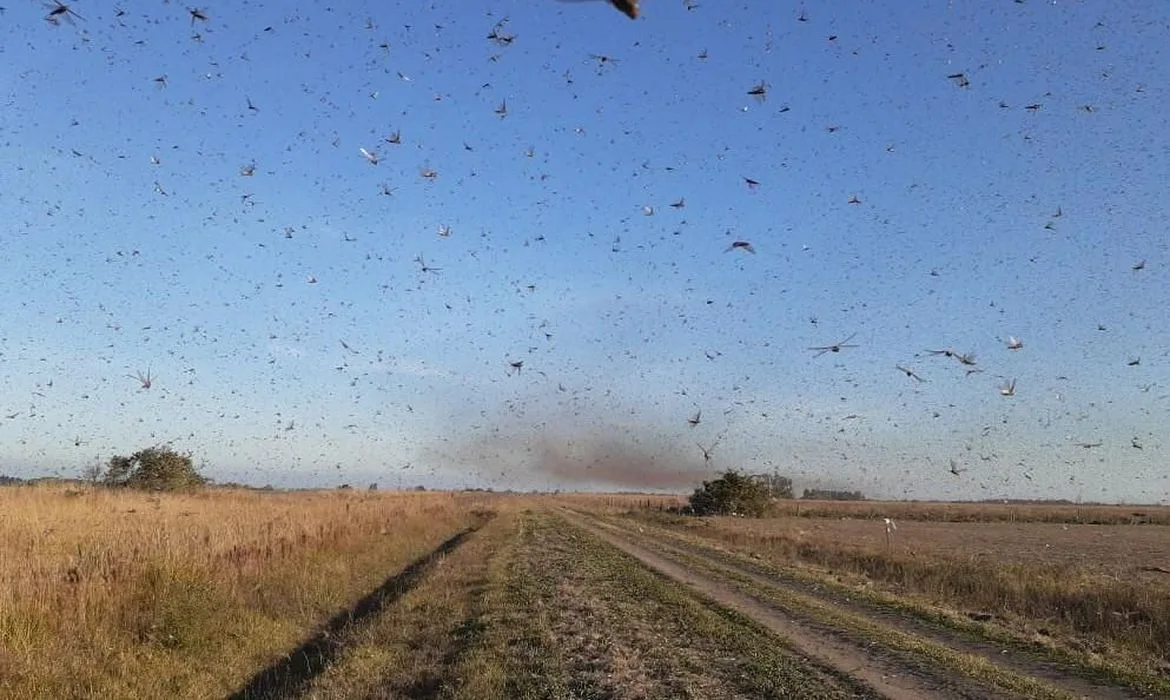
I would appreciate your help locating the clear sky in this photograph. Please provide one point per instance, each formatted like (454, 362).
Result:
(293, 337)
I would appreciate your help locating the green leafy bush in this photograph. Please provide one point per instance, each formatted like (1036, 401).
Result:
(154, 469)
(734, 493)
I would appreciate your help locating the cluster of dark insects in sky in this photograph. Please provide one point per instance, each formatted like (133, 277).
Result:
(947, 359)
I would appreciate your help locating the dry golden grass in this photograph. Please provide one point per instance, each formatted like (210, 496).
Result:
(127, 594)
(615, 503)
(431, 642)
(107, 593)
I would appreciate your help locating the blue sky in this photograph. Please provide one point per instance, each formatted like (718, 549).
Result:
(133, 241)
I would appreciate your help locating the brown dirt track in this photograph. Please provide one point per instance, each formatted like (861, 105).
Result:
(887, 672)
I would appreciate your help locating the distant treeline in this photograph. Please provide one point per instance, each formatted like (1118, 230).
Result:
(780, 486)
(831, 495)
(1036, 502)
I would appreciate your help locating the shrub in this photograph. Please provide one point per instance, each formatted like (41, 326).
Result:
(154, 469)
(734, 493)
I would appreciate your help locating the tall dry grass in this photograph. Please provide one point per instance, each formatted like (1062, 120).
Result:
(615, 503)
(126, 594)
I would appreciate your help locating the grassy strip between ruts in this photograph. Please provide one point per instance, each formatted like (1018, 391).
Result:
(534, 609)
(421, 645)
(578, 618)
(917, 651)
(477, 628)
(1117, 668)
(517, 654)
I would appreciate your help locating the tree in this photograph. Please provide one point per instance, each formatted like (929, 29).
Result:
(92, 472)
(734, 493)
(157, 468)
(780, 486)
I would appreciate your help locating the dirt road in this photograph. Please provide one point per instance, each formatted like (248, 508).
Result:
(896, 656)
(549, 603)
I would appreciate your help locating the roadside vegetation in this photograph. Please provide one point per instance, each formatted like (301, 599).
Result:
(211, 592)
(129, 593)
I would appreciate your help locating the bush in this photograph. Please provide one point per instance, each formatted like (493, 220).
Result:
(734, 493)
(154, 469)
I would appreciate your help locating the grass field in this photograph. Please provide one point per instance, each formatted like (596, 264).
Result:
(339, 594)
(123, 594)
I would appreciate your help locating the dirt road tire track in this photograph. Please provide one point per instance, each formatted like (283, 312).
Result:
(1079, 684)
(909, 674)
(618, 629)
(897, 683)
(292, 675)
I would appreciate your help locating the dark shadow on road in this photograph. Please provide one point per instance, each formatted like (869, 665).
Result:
(291, 676)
